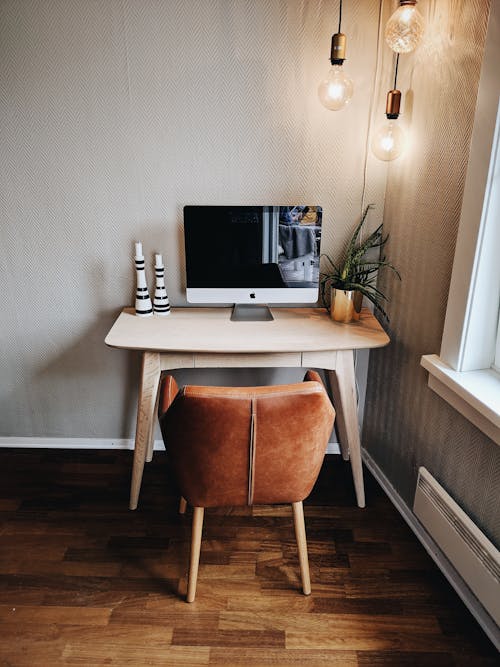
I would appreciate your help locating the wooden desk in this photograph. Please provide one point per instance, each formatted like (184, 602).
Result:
(206, 338)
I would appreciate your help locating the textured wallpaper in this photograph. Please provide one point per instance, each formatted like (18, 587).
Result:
(406, 424)
(113, 116)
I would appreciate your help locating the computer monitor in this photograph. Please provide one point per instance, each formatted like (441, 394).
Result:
(249, 255)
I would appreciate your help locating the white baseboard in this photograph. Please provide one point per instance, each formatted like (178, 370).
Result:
(333, 448)
(95, 443)
(489, 626)
(71, 443)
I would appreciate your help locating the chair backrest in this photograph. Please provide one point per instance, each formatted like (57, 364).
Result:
(246, 445)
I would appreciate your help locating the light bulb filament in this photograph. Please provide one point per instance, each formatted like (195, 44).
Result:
(387, 143)
(407, 14)
(336, 89)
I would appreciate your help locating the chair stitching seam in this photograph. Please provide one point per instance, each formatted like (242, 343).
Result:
(251, 453)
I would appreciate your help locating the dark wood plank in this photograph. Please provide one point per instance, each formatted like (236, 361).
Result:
(261, 657)
(229, 638)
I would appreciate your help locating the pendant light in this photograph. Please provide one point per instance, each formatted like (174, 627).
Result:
(336, 89)
(389, 140)
(405, 28)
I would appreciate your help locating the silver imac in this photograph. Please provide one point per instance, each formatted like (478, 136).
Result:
(252, 256)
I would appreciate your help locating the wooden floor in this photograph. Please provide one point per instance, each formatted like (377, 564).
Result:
(85, 581)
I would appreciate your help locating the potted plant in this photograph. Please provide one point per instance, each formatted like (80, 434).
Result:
(356, 275)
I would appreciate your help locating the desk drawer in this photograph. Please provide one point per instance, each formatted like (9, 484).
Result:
(172, 360)
(279, 359)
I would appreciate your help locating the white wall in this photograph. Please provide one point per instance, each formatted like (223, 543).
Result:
(113, 116)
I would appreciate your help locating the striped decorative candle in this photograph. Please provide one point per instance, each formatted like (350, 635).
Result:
(161, 303)
(143, 306)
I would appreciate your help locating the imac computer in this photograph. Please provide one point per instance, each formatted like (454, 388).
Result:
(252, 255)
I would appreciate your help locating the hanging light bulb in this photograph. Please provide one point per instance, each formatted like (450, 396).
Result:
(336, 89)
(389, 140)
(405, 28)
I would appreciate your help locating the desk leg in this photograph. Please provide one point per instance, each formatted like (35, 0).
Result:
(151, 434)
(148, 390)
(343, 386)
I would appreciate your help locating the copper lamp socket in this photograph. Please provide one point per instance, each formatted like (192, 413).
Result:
(337, 55)
(407, 2)
(393, 104)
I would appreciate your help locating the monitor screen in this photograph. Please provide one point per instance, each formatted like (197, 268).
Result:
(252, 254)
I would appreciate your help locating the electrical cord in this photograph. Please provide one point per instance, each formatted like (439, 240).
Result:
(367, 146)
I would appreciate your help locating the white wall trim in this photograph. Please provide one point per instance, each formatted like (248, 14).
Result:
(71, 443)
(469, 599)
(95, 443)
(333, 448)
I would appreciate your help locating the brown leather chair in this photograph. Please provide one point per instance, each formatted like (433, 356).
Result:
(243, 446)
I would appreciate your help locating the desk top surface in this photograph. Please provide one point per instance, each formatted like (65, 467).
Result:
(210, 330)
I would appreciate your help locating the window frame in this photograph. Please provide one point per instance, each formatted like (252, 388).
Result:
(496, 363)
(464, 373)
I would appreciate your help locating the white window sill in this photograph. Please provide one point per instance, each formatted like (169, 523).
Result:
(475, 394)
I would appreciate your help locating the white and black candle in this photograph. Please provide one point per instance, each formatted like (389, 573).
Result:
(143, 306)
(161, 303)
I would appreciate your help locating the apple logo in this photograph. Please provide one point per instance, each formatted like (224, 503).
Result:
(252, 295)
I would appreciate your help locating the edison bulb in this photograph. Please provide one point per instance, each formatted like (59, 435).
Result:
(405, 28)
(389, 141)
(336, 89)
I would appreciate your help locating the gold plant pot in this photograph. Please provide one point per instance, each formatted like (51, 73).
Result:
(345, 305)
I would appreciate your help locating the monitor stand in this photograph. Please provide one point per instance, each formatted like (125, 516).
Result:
(243, 312)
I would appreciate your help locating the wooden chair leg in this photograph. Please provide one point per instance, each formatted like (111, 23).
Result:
(194, 558)
(182, 505)
(300, 536)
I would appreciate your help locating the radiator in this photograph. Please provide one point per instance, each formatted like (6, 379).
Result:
(470, 552)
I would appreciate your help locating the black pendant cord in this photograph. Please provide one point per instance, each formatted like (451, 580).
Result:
(396, 72)
(393, 96)
(340, 15)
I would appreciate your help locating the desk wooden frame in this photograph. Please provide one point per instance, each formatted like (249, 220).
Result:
(206, 338)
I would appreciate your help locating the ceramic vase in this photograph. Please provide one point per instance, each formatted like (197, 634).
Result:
(161, 304)
(143, 305)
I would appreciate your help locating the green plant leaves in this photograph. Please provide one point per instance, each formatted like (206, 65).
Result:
(356, 272)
